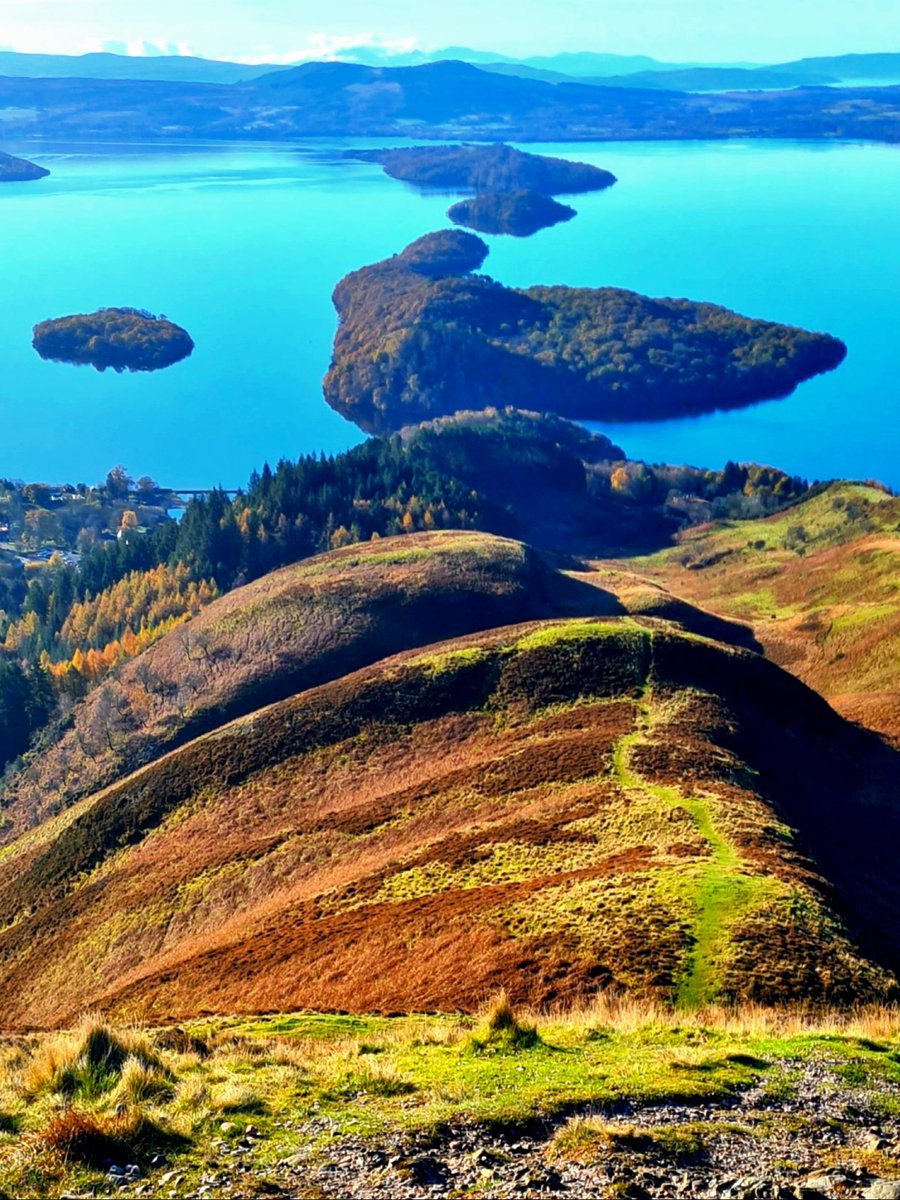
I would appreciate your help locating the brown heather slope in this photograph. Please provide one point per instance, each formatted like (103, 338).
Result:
(303, 625)
(818, 583)
(552, 807)
(292, 629)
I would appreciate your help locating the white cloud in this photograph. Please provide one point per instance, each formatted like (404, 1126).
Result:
(327, 47)
(140, 48)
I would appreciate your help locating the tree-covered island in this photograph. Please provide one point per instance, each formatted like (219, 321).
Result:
(495, 168)
(125, 339)
(520, 214)
(446, 252)
(411, 347)
(19, 170)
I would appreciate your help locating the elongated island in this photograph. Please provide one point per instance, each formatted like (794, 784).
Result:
(520, 214)
(493, 168)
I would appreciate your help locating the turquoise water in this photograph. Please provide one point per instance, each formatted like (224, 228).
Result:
(243, 244)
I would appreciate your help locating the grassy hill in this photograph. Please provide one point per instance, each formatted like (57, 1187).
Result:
(555, 807)
(307, 624)
(289, 630)
(818, 585)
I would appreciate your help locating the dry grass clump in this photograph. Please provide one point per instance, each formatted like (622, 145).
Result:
(623, 1015)
(83, 1137)
(87, 1062)
(345, 1074)
(141, 1082)
(233, 1096)
(584, 1139)
(182, 1042)
(501, 1027)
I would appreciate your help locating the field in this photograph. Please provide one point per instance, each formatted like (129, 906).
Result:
(562, 812)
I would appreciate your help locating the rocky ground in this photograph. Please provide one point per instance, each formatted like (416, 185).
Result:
(818, 1135)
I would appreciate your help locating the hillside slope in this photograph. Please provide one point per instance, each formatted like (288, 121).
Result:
(304, 625)
(554, 807)
(291, 629)
(818, 584)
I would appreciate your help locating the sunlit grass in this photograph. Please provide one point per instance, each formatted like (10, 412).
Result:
(66, 1099)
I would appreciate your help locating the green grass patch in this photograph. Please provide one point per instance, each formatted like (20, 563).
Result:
(578, 631)
(303, 1079)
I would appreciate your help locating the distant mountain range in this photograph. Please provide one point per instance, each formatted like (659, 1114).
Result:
(445, 100)
(588, 67)
(169, 67)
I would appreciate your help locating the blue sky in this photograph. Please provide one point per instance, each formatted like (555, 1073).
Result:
(699, 30)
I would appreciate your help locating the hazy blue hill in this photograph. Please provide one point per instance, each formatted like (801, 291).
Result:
(610, 70)
(853, 66)
(433, 92)
(720, 79)
(587, 62)
(171, 67)
(446, 100)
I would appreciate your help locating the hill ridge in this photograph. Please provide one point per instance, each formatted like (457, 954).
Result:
(554, 726)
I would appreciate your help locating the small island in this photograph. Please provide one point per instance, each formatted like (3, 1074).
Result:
(495, 168)
(19, 170)
(520, 214)
(124, 339)
(411, 347)
(447, 252)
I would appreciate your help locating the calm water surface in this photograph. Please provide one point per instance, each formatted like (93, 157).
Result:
(243, 244)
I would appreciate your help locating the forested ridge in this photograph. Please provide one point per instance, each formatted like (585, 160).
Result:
(443, 100)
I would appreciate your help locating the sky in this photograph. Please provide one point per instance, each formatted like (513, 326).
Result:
(289, 30)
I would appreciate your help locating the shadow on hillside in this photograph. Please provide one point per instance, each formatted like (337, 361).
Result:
(576, 596)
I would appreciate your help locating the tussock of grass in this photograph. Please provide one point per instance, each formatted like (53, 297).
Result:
(140, 1081)
(502, 1029)
(236, 1097)
(81, 1137)
(85, 1064)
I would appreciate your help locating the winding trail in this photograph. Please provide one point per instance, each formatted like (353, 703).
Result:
(721, 888)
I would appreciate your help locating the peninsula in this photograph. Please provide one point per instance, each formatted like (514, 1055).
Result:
(125, 339)
(19, 170)
(520, 214)
(410, 348)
